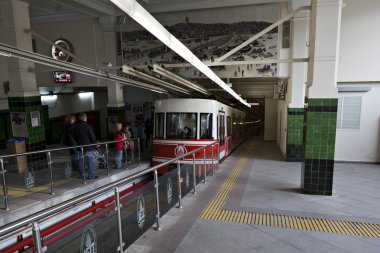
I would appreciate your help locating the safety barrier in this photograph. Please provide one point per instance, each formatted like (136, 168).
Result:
(80, 154)
(111, 217)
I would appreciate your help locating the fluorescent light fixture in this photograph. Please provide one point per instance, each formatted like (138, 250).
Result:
(49, 98)
(163, 72)
(131, 71)
(141, 16)
(5, 54)
(254, 103)
(85, 95)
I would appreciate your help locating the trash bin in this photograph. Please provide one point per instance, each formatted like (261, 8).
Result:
(15, 146)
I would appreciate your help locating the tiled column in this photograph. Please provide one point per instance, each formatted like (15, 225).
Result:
(320, 131)
(295, 95)
(23, 96)
(35, 135)
(321, 98)
(5, 127)
(115, 107)
(294, 145)
(117, 112)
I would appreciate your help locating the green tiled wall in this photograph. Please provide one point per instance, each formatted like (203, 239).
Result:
(5, 127)
(319, 146)
(56, 130)
(295, 134)
(116, 111)
(36, 139)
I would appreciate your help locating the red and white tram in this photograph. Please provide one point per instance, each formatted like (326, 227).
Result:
(182, 125)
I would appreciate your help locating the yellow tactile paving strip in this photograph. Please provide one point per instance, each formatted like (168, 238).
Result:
(214, 211)
(17, 192)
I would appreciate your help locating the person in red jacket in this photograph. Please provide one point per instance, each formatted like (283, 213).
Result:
(119, 136)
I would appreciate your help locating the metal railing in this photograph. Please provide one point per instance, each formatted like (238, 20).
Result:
(32, 221)
(79, 148)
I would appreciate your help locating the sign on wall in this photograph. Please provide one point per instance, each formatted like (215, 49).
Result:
(35, 118)
(18, 120)
(62, 77)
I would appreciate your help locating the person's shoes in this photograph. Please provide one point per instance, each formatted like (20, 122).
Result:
(95, 177)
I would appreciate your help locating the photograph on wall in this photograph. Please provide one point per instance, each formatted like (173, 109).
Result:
(35, 118)
(19, 124)
(209, 34)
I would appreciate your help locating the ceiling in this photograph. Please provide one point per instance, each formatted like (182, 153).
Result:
(43, 9)
(59, 10)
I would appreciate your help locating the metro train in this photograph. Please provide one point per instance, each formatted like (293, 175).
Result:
(183, 125)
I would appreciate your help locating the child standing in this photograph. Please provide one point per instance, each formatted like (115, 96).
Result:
(119, 136)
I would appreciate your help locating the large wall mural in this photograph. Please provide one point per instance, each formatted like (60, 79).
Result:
(208, 40)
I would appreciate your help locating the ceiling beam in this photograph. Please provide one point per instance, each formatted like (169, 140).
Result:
(71, 16)
(75, 7)
(99, 6)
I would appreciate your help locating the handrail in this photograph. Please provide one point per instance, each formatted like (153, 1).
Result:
(64, 148)
(94, 193)
(49, 162)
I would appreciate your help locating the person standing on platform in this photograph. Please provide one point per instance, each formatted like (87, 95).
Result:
(128, 134)
(119, 136)
(140, 134)
(148, 134)
(84, 135)
(68, 138)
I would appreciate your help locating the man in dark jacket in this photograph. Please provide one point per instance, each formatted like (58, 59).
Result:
(84, 135)
(68, 138)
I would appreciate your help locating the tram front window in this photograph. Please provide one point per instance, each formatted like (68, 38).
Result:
(159, 131)
(206, 126)
(181, 125)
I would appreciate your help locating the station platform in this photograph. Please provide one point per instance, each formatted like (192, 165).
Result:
(24, 202)
(254, 203)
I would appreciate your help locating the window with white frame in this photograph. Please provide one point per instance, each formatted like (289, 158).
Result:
(349, 110)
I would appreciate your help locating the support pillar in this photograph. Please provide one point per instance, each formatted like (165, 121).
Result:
(296, 85)
(26, 113)
(5, 122)
(321, 98)
(115, 105)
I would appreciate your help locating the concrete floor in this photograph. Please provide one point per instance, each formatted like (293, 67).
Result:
(270, 185)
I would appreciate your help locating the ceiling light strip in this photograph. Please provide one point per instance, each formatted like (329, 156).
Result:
(145, 19)
(130, 71)
(163, 72)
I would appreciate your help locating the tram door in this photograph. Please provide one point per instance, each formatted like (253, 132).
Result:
(221, 133)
